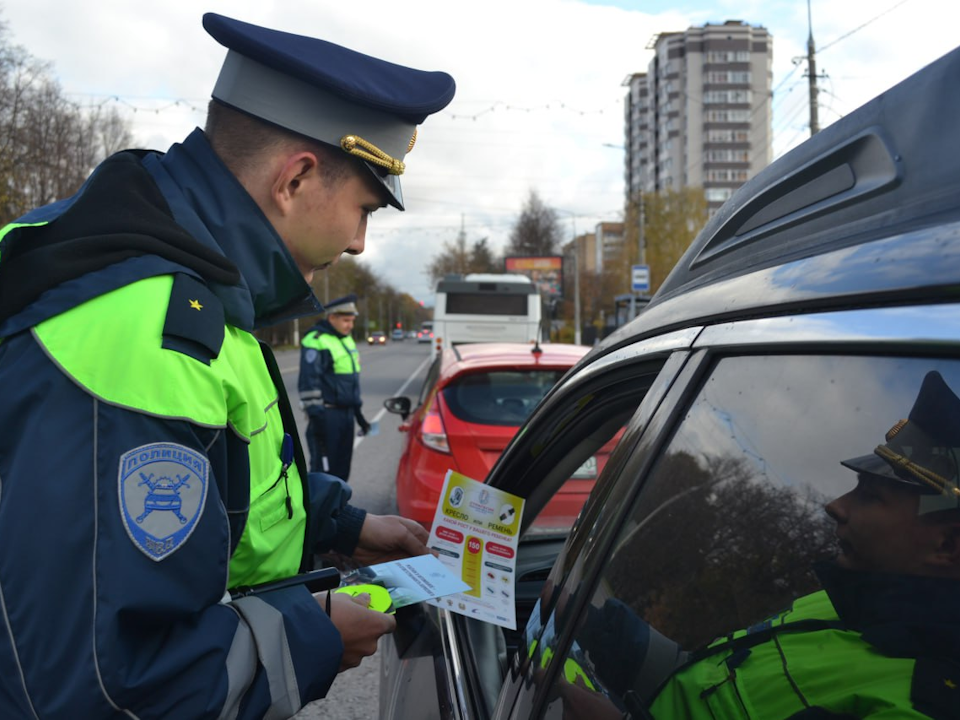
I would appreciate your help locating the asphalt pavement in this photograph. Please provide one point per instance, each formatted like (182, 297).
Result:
(397, 368)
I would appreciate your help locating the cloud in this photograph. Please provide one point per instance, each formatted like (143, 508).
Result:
(538, 96)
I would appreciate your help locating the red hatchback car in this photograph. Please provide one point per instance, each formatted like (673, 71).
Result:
(474, 399)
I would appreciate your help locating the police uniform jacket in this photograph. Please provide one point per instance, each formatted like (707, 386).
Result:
(329, 369)
(868, 645)
(144, 463)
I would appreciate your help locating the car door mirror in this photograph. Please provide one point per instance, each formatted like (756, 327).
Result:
(398, 405)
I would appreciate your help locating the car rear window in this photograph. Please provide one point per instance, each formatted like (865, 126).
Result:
(505, 397)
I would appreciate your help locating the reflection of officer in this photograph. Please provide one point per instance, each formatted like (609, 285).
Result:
(883, 636)
(330, 388)
(149, 459)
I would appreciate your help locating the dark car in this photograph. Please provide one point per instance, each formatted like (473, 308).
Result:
(805, 327)
(377, 337)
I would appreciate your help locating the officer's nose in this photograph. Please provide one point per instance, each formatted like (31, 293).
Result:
(357, 244)
(837, 509)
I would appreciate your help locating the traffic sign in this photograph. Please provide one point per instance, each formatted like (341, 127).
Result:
(640, 278)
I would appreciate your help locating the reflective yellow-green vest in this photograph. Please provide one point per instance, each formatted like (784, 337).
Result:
(234, 393)
(830, 667)
(342, 387)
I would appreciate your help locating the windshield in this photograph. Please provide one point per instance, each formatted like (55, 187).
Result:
(505, 397)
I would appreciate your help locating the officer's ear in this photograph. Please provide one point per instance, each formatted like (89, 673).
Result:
(946, 556)
(294, 178)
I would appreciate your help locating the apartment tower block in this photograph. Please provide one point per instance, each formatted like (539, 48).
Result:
(701, 115)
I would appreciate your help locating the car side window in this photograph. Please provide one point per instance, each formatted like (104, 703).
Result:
(433, 372)
(729, 540)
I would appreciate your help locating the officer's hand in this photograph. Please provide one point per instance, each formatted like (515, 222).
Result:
(579, 701)
(364, 427)
(360, 629)
(389, 537)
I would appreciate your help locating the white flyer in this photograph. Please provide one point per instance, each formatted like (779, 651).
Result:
(475, 530)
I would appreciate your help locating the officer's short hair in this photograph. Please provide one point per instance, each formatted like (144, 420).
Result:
(241, 141)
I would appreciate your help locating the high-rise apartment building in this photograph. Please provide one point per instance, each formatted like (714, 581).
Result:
(701, 115)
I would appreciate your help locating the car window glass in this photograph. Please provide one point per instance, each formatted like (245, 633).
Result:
(565, 455)
(429, 381)
(730, 531)
(502, 397)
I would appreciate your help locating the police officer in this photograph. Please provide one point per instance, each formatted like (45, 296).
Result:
(882, 639)
(149, 460)
(330, 388)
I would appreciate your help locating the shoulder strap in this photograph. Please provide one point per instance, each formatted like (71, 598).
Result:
(195, 320)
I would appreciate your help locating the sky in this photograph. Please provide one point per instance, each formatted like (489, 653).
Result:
(539, 103)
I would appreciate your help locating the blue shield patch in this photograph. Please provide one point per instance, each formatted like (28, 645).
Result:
(162, 492)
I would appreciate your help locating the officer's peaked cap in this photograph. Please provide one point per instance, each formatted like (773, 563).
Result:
(366, 106)
(923, 450)
(347, 305)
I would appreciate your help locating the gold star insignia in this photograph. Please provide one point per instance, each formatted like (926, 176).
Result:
(195, 304)
(950, 684)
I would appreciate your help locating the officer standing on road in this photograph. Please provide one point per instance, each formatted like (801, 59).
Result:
(330, 388)
(149, 459)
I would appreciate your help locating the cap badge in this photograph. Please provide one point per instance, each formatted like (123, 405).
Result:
(369, 152)
(892, 432)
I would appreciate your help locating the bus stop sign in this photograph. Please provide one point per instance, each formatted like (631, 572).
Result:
(640, 278)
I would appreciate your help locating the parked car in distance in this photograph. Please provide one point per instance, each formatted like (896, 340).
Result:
(411, 334)
(474, 398)
(424, 335)
(794, 359)
(397, 334)
(377, 337)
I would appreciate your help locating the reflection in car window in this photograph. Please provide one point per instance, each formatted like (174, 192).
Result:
(730, 538)
(429, 381)
(504, 397)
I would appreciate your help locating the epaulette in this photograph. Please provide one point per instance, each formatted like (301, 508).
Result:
(194, 322)
(935, 689)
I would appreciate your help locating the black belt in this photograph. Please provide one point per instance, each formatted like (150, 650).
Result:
(337, 407)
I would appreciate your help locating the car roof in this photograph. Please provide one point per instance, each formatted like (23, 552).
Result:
(470, 357)
(865, 212)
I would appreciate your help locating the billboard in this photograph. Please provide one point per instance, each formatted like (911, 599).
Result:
(546, 272)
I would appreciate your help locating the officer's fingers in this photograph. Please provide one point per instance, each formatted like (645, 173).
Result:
(361, 599)
(419, 532)
(414, 537)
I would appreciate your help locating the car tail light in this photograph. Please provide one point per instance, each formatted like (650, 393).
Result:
(433, 434)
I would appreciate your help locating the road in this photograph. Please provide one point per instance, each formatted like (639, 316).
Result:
(397, 368)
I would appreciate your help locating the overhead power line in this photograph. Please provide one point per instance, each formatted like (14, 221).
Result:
(861, 27)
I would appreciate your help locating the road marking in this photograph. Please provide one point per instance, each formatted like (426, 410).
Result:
(376, 418)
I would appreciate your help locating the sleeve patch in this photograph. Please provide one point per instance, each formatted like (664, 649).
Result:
(162, 492)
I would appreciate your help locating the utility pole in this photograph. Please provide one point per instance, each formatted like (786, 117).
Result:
(641, 239)
(576, 282)
(812, 77)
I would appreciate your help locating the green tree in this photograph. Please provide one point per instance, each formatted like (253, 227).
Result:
(671, 221)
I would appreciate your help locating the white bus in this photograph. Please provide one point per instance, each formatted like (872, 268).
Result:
(486, 308)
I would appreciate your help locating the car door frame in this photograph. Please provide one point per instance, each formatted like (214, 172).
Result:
(930, 331)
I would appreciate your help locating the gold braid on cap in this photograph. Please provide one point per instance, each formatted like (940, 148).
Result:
(934, 480)
(364, 150)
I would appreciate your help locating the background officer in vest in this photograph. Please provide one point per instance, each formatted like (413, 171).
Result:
(330, 388)
(149, 459)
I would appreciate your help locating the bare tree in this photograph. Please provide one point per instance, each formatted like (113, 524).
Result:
(48, 144)
(456, 257)
(537, 232)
